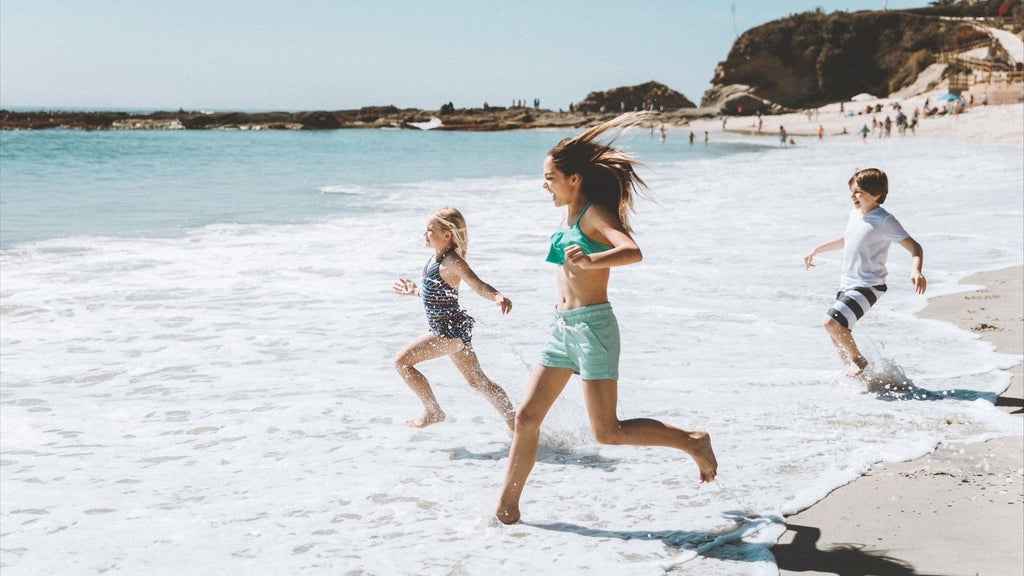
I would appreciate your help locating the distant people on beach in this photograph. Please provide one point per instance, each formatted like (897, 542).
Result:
(870, 230)
(864, 131)
(691, 137)
(451, 328)
(782, 136)
(596, 185)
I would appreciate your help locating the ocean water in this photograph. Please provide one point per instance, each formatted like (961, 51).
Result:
(197, 332)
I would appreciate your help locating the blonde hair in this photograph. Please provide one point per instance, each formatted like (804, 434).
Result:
(451, 220)
(608, 174)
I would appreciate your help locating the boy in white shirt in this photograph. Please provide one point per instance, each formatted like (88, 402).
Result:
(870, 231)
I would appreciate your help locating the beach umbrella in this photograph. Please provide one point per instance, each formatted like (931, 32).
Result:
(863, 96)
(949, 96)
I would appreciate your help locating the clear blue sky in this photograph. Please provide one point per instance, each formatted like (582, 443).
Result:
(341, 54)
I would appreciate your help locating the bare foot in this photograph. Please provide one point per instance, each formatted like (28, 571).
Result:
(426, 419)
(507, 514)
(704, 456)
(857, 366)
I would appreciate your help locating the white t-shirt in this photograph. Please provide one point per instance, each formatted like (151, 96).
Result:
(866, 247)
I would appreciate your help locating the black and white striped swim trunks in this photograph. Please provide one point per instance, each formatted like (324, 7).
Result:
(852, 304)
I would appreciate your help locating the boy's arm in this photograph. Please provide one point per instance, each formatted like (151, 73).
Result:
(826, 247)
(916, 277)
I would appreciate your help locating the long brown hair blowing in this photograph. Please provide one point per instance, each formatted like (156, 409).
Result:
(608, 174)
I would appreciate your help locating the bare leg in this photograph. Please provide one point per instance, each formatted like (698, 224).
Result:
(469, 365)
(546, 384)
(426, 347)
(602, 399)
(842, 339)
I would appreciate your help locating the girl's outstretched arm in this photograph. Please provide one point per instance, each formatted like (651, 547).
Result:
(455, 269)
(916, 276)
(826, 247)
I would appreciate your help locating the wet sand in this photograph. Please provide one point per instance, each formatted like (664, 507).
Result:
(958, 511)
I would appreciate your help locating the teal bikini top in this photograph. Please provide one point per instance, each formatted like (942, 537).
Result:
(573, 235)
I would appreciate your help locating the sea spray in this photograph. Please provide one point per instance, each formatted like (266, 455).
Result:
(888, 381)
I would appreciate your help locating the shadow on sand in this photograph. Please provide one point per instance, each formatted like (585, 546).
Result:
(803, 555)
(1011, 403)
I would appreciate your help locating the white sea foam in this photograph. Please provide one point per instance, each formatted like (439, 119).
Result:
(224, 402)
(346, 189)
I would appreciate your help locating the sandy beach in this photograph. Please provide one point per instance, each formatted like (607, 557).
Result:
(989, 123)
(957, 511)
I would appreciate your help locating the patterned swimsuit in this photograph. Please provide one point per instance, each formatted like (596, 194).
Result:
(441, 301)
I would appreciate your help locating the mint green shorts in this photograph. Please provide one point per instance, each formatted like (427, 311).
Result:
(586, 341)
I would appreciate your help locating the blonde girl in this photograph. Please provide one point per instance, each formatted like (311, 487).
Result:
(451, 327)
(595, 183)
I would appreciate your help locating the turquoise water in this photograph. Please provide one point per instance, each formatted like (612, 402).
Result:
(58, 183)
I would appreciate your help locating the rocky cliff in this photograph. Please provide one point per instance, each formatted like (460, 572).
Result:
(648, 96)
(812, 58)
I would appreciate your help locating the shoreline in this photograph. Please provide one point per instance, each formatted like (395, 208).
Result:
(836, 119)
(491, 119)
(958, 510)
(1002, 123)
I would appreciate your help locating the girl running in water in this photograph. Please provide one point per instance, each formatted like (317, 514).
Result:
(596, 185)
(450, 326)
